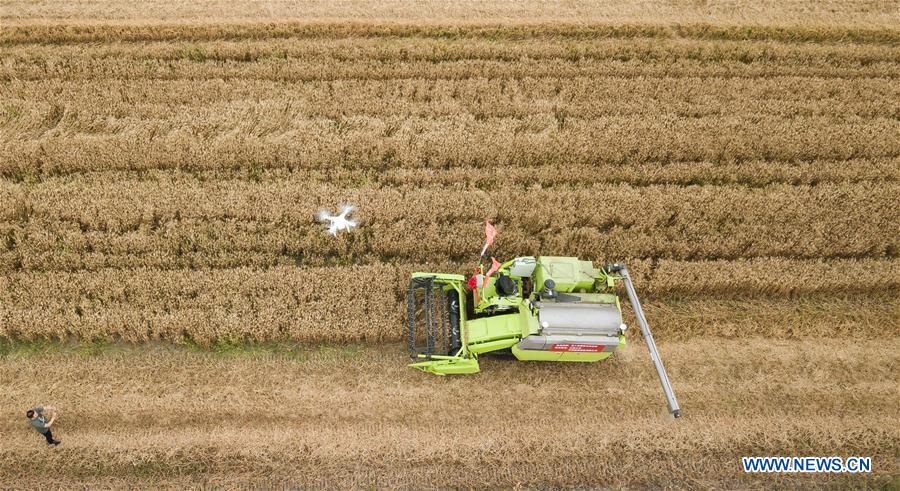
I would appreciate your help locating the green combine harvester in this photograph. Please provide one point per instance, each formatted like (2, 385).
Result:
(543, 308)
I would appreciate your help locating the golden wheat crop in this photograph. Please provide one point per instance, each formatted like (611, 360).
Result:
(171, 220)
(796, 298)
(719, 161)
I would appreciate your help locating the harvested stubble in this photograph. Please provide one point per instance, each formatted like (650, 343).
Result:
(827, 12)
(361, 419)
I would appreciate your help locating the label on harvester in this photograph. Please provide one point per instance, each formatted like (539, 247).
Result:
(576, 347)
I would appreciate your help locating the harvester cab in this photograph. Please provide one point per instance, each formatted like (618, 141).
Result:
(545, 308)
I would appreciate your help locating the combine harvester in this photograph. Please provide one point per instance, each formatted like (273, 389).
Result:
(543, 308)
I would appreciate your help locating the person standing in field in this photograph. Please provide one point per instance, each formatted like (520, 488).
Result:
(39, 421)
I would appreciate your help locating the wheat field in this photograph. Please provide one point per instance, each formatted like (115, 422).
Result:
(161, 166)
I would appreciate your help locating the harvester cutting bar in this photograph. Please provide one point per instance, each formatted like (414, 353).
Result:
(672, 402)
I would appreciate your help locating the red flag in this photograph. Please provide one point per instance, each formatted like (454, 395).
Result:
(489, 233)
(495, 265)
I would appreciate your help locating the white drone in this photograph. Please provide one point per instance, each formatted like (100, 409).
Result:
(338, 222)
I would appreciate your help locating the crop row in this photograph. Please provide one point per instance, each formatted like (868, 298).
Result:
(342, 304)
(185, 222)
(458, 140)
(394, 50)
(35, 109)
(748, 173)
(298, 71)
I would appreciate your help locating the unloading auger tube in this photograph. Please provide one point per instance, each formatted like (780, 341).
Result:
(648, 336)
